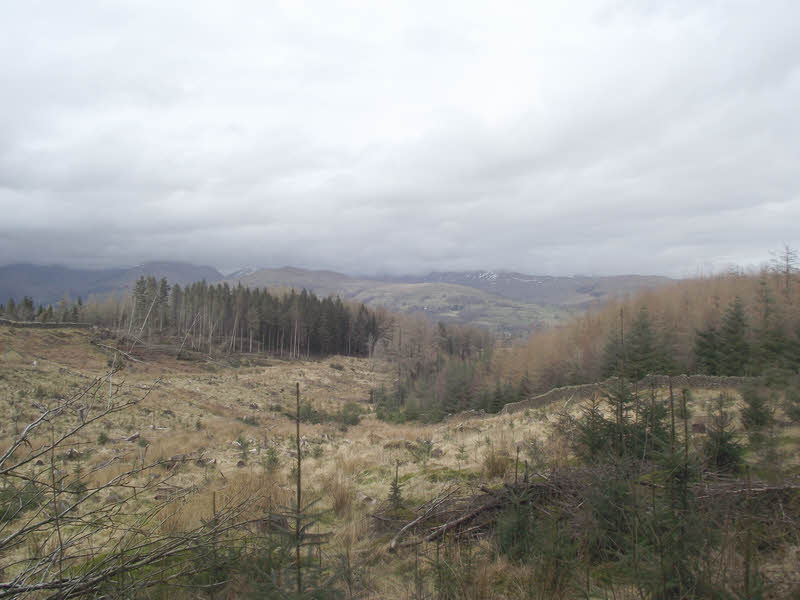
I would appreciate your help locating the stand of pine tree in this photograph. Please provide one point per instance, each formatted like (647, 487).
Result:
(209, 318)
(731, 324)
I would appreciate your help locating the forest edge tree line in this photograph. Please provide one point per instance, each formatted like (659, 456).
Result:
(221, 318)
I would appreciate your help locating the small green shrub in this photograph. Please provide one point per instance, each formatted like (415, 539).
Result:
(422, 450)
(349, 414)
(244, 447)
(14, 501)
(540, 543)
(514, 533)
(309, 414)
(271, 461)
(534, 451)
(792, 404)
(461, 455)
(721, 449)
(756, 415)
(395, 498)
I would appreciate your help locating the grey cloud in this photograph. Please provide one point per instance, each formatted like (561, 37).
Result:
(603, 137)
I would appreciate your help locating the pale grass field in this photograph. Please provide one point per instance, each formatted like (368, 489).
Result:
(198, 410)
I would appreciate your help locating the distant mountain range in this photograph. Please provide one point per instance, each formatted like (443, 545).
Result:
(49, 284)
(504, 301)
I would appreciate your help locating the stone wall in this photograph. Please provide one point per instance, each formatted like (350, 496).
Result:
(580, 392)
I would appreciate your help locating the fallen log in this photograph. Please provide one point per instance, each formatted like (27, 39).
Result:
(125, 354)
(423, 517)
(442, 529)
(744, 490)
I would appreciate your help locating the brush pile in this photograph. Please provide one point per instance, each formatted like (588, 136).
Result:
(464, 514)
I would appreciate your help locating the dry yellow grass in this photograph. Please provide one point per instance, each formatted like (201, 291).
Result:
(198, 412)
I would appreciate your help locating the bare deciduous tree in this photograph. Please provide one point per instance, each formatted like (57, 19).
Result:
(785, 263)
(70, 534)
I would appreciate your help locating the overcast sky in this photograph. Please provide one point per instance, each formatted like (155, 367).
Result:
(376, 137)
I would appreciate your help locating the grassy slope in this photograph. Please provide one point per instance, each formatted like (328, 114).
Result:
(352, 471)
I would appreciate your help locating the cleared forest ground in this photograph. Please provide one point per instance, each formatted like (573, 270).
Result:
(225, 429)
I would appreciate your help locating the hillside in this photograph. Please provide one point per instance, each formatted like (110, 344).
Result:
(323, 283)
(577, 291)
(506, 302)
(48, 284)
(729, 324)
(193, 443)
(439, 301)
(461, 304)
